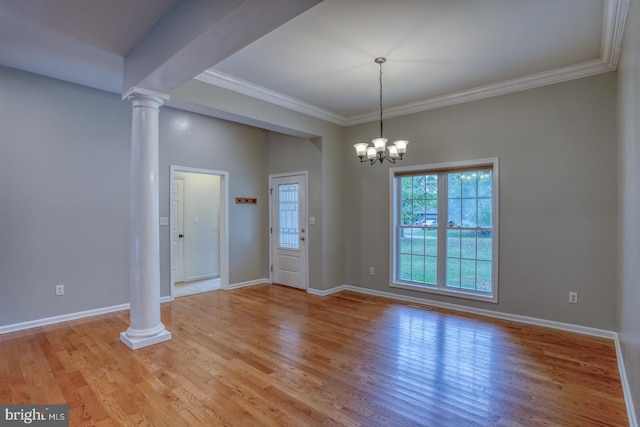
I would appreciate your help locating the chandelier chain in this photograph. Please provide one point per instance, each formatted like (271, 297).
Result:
(381, 132)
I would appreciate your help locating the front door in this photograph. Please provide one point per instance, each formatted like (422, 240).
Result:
(289, 230)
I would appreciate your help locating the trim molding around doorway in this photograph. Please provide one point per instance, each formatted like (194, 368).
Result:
(224, 221)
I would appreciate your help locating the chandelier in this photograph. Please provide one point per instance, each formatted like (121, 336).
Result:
(376, 153)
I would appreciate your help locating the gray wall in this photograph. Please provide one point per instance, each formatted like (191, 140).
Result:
(629, 218)
(197, 141)
(64, 209)
(64, 214)
(328, 138)
(288, 154)
(557, 150)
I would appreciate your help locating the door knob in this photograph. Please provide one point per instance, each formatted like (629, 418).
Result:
(302, 238)
(180, 236)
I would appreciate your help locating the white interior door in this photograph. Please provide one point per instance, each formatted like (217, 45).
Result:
(288, 201)
(177, 229)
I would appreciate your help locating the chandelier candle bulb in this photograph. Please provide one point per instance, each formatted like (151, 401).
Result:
(401, 145)
(361, 149)
(393, 151)
(380, 144)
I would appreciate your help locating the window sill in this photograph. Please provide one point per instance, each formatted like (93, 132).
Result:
(448, 292)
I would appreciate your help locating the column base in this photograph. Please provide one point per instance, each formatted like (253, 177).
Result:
(135, 343)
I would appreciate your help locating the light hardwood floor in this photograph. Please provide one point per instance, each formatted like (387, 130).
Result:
(269, 355)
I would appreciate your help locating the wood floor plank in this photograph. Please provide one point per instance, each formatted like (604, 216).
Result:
(275, 356)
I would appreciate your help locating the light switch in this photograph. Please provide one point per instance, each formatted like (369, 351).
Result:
(164, 220)
(312, 220)
(196, 219)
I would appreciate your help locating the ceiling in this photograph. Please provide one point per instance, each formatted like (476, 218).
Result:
(321, 62)
(78, 41)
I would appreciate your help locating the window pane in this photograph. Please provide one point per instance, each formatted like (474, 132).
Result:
(406, 200)
(468, 274)
(453, 272)
(485, 211)
(432, 187)
(469, 184)
(454, 185)
(288, 230)
(453, 243)
(455, 212)
(468, 245)
(485, 245)
(405, 240)
(419, 200)
(484, 276)
(485, 183)
(469, 213)
(431, 242)
(418, 212)
(417, 269)
(430, 218)
(405, 267)
(431, 270)
(419, 187)
(417, 242)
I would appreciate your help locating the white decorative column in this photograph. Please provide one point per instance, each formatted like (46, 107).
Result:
(145, 327)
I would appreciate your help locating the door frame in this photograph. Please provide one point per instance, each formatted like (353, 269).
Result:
(305, 223)
(224, 221)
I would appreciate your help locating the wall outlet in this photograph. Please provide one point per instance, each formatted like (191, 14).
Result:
(164, 220)
(372, 271)
(59, 289)
(573, 297)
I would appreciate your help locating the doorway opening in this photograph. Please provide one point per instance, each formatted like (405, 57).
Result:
(198, 230)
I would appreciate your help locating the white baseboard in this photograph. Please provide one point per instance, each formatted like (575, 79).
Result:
(66, 317)
(328, 291)
(626, 389)
(95, 312)
(200, 278)
(585, 330)
(249, 283)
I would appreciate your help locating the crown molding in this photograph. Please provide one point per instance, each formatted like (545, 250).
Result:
(226, 81)
(615, 12)
(504, 87)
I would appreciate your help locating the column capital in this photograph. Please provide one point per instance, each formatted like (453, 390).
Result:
(137, 93)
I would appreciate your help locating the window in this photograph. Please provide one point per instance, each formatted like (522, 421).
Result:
(444, 229)
(288, 216)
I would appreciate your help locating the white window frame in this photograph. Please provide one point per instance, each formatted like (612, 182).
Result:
(450, 167)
